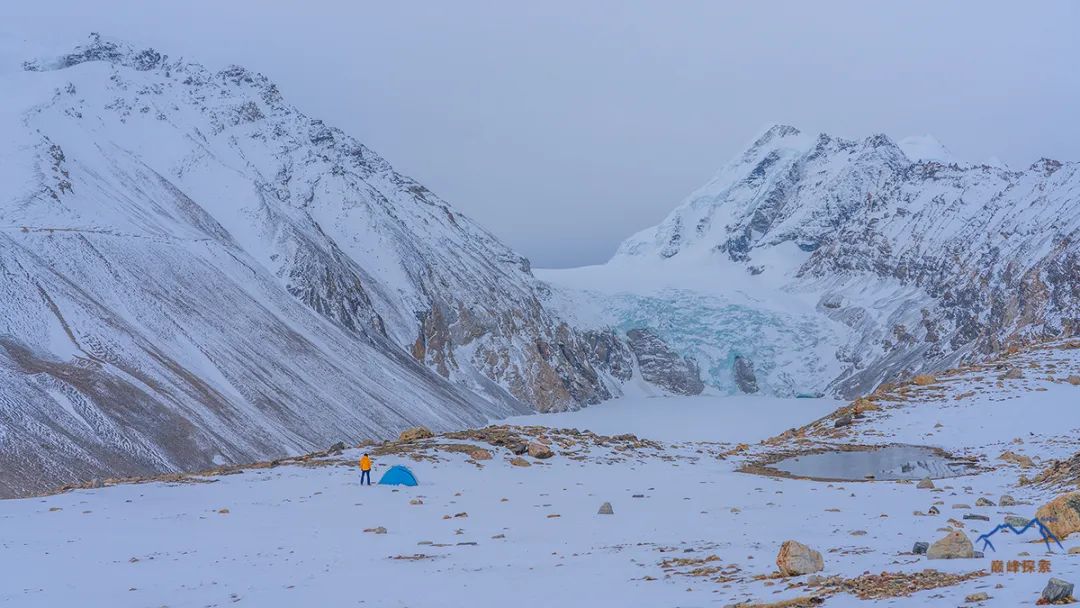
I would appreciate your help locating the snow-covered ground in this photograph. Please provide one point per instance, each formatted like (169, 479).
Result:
(492, 534)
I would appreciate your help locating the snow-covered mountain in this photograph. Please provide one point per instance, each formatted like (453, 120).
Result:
(194, 272)
(834, 264)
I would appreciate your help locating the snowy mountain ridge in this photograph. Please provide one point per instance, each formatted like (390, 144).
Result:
(194, 272)
(914, 264)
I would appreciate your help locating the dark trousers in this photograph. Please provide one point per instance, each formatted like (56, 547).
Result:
(365, 475)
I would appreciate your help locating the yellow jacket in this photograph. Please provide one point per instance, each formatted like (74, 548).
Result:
(365, 464)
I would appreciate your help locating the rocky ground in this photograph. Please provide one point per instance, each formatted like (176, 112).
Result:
(542, 512)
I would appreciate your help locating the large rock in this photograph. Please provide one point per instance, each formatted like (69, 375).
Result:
(745, 378)
(1062, 514)
(663, 366)
(1057, 590)
(955, 545)
(796, 559)
(539, 450)
(415, 434)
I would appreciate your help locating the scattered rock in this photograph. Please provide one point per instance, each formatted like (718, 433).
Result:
(842, 421)
(480, 454)
(955, 545)
(1013, 374)
(1073, 380)
(1007, 501)
(376, 530)
(1010, 456)
(1057, 591)
(520, 462)
(223, 511)
(961, 505)
(1074, 550)
(934, 511)
(416, 501)
(920, 548)
(415, 434)
(337, 447)
(1062, 514)
(796, 559)
(925, 484)
(539, 450)
(605, 509)
(984, 502)
(976, 516)
(977, 597)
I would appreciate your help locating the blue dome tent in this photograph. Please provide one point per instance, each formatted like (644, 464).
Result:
(398, 476)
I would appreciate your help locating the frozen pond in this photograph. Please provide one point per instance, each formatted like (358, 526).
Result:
(888, 463)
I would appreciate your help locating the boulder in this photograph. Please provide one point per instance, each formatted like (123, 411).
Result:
(415, 434)
(1016, 522)
(842, 421)
(520, 462)
(1062, 514)
(1007, 501)
(955, 545)
(605, 509)
(984, 502)
(1073, 380)
(1057, 591)
(925, 484)
(977, 597)
(920, 548)
(539, 450)
(796, 559)
(480, 454)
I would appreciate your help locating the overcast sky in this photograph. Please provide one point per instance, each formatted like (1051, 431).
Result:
(564, 126)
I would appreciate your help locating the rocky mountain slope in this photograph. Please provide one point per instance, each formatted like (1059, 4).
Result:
(911, 261)
(194, 272)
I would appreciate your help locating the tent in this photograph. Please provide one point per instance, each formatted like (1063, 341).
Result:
(398, 476)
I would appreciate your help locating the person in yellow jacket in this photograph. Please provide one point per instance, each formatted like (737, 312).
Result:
(365, 469)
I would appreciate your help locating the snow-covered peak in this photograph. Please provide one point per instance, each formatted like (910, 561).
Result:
(925, 147)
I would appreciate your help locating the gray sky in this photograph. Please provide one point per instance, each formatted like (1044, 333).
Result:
(564, 126)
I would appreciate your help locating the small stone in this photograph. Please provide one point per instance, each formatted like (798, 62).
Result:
(1074, 550)
(984, 502)
(223, 511)
(976, 516)
(961, 505)
(337, 447)
(416, 501)
(796, 559)
(925, 484)
(977, 597)
(605, 509)
(934, 510)
(553, 515)
(842, 421)
(920, 548)
(376, 530)
(1013, 374)
(1057, 590)
(1073, 380)
(1007, 501)
(979, 555)
(520, 462)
